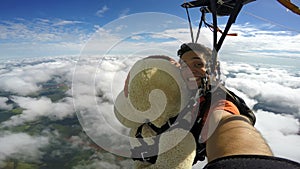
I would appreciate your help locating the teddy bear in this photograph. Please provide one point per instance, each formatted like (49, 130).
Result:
(155, 92)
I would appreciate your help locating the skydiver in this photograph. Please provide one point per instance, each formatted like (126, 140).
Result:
(224, 127)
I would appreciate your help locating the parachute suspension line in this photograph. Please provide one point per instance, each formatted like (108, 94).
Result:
(271, 22)
(190, 24)
(217, 8)
(213, 64)
(202, 19)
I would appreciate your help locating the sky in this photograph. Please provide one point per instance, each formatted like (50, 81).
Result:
(91, 45)
(51, 28)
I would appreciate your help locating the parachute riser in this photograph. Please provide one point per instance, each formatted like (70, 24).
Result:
(215, 65)
(231, 20)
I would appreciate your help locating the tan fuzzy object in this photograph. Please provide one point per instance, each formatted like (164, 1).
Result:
(155, 92)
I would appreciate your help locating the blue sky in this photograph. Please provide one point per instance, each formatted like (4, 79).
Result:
(34, 28)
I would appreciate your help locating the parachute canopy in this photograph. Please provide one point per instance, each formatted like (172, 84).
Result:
(223, 8)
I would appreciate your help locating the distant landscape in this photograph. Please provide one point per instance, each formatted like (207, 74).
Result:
(39, 128)
(69, 146)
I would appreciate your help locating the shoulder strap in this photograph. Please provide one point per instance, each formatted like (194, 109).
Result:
(197, 127)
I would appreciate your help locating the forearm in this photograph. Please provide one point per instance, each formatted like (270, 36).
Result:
(234, 137)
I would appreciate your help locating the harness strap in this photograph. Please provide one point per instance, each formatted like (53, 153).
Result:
(198, 107)
(232, 118)
(163, 128)
(145, 152)
(219, 30)
(252, 161)
(148, 153)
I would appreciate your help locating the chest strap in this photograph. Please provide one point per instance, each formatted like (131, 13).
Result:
(148, 153)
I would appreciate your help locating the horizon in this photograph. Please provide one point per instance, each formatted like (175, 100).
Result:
(54, 28)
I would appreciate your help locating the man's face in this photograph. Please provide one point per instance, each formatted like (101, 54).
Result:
(193, 68)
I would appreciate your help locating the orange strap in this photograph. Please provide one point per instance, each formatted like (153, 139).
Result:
(227, 106)
(222, 105)
(219, 30)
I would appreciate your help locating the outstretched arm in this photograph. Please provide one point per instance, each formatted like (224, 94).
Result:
(234, 135)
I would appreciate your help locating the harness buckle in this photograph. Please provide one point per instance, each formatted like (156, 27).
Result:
(142, 155)
(195, 99)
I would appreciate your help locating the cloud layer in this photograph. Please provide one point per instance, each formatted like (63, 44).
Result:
(98, 83)
(264, 73)
(21, 146)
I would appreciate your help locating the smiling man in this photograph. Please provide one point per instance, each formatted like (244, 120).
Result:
(193, 63)
(224, 126)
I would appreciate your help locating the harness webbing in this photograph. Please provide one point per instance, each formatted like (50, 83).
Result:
(144, 152)
(163, 128)
(148, 153)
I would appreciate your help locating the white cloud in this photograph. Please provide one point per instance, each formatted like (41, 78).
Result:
(41, 37)
(94, 86)
(281, 132)
(18, 85)
(97, 76)
(277, 90)
(101, 11)
(251, 44)
(137, 37)
(255, 41)
(274, 87)
(21, 146)
(37, 30)
(3, 104)
(42, 107)
(66, 22)
(25, 79)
